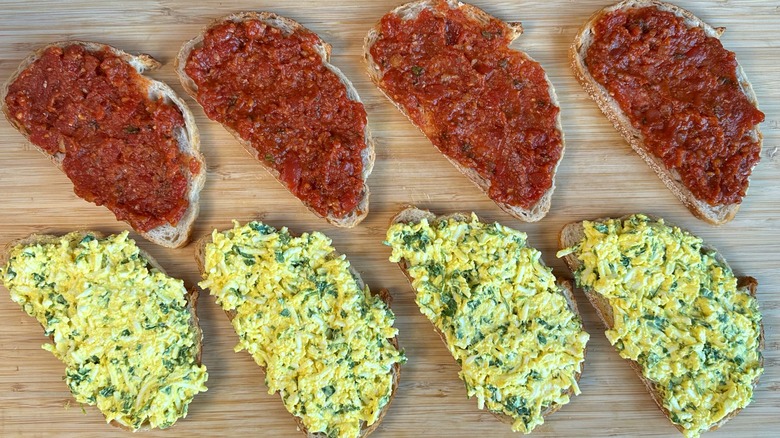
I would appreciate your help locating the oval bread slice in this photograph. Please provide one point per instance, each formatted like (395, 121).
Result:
(573, 233)
(171, 236)
(191, 297)
(383, 294)
(287, 26)
(715, 215)
(410, 11)
(412, 215)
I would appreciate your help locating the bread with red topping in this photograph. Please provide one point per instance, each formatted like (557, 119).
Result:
(352, 215)
(712, 213)
(169, 234)
(482, 168)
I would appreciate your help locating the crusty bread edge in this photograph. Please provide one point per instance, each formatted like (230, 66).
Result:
(410, 11)
(716, 215)
(288, 26)
(189, 140)
(191, 297)
(573, 233)
(384, 295)
(412, 215)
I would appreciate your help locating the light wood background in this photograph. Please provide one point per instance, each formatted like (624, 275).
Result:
(599, 176)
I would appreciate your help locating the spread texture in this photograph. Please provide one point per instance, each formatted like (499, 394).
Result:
(677, 312)
(483, 105)
(325, 342)
(680, 89)
(503, 318)
(121, 327)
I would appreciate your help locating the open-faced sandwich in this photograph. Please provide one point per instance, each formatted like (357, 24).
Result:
(514, 331)
(326, 344)
(674, 309)
(126, 332)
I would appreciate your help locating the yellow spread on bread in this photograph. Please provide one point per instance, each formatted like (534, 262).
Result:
(121, 327)
(300, 313)
(503, 317)
(677, 312)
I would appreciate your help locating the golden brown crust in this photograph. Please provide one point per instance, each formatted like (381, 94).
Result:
(411, 215)
(191, 297)
(514, 30)
(189, 139)
(288, 26)
(573, 233)
(715, 215)
(383, 294)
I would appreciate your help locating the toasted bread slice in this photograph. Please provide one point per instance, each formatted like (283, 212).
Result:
(171, 236)
(573, 233)
(413, 215)
(323, 49)
(511, 31)
(77, 236)
(383, 294)
(714, 214)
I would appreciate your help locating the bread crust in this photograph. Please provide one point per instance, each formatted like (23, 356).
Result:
(715, 215)
(573, 233)
(513, 30)
(413, 215)
(191, 297)
(166, 235)
(323, 49)
(383, 294)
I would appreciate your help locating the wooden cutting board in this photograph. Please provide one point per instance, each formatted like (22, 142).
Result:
(599, 176)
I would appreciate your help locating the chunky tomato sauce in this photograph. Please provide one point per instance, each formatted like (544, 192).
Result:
(480, 103)
(679, 87)
(119, 146)
(275, 92)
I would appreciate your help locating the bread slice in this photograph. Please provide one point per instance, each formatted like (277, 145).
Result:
(573, 233)
(191, 297)
(287, 26)
(384, 295)
(410, 11)
(715, 215)
(171, 236)
(413, 215)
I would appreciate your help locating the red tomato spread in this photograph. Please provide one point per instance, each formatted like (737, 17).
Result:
(118, 146)
(481, 104)
(679, 87)
(274, 91)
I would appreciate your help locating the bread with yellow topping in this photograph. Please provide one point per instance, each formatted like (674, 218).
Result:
(686, 252)
(168, 235)
(568, 328)
(313, 290)
(174, 373)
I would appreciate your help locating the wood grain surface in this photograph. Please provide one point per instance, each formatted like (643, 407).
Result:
(599, 176)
